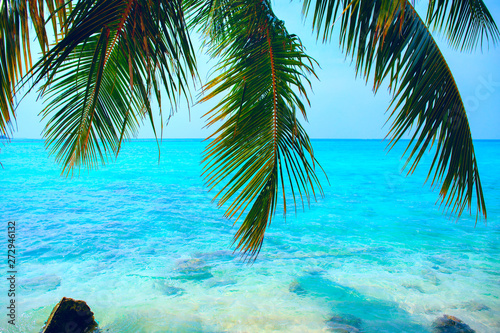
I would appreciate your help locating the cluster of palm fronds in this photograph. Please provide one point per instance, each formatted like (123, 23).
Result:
(110, 60)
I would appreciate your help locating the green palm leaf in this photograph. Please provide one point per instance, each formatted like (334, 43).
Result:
(102, 74)
(15, 57)
(260, 148)
(15, 47)
(465, 22)
(426, 99)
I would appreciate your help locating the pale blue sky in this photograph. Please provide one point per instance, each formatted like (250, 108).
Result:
(341, 106)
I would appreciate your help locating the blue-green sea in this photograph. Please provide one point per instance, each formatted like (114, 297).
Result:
(141, 241)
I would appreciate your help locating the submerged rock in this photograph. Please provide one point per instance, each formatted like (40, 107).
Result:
(351, 301)
(45, 282)
(190, 265)
(70, 315)
(342, 328)
(415, 287)
(295, 287)
(430, 277)
(475, 306)
(215, 255)
(450, 324)
(438, 260)
(344, 323)
(194, 276)
(192, 269)
(444, 270)
(167, 289)
(314, 270)
(220, 283)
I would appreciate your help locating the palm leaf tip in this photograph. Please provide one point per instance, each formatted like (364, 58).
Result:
(466, 24)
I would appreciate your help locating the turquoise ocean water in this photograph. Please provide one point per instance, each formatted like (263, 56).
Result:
(142, 243)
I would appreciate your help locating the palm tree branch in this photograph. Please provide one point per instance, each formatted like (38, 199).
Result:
(425, 93)
(118, 69)
(259, 135)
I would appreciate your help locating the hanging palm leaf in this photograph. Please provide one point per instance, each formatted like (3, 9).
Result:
(15, 47)
(392, 42)
(101, 75)
(260, 146)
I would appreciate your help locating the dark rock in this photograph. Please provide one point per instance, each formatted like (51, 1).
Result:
(450, 324)
(295, 287)
(70, 315)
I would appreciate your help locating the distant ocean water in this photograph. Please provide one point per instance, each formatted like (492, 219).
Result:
(142, 243)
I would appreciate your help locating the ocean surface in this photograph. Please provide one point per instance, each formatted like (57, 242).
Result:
(142, 243)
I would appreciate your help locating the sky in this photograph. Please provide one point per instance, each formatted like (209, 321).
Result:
(342, 107)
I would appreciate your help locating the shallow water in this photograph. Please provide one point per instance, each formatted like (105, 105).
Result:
(142, 244)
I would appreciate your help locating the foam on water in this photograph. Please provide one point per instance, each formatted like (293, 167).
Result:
(142, 244)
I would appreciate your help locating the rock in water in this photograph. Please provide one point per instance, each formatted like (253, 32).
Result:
(213, 282)
(341, 328)
(192, 269)
(345, 323)
(295, 287)
(70, 315)
(475, 306)
(450, 324)
(168, 289)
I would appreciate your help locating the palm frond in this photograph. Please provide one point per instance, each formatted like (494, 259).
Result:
(101, 76)
(260, 148)
(466, 23)
(212, 17)
(14, 44)
(426, 99)
(15, 48)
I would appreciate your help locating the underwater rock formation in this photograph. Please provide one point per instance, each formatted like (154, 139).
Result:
(70, 315)
(345, 323)
(168, 289)
(295, 287)
(214, 282)
(450, 324)
(475, 306)
(192, 269)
